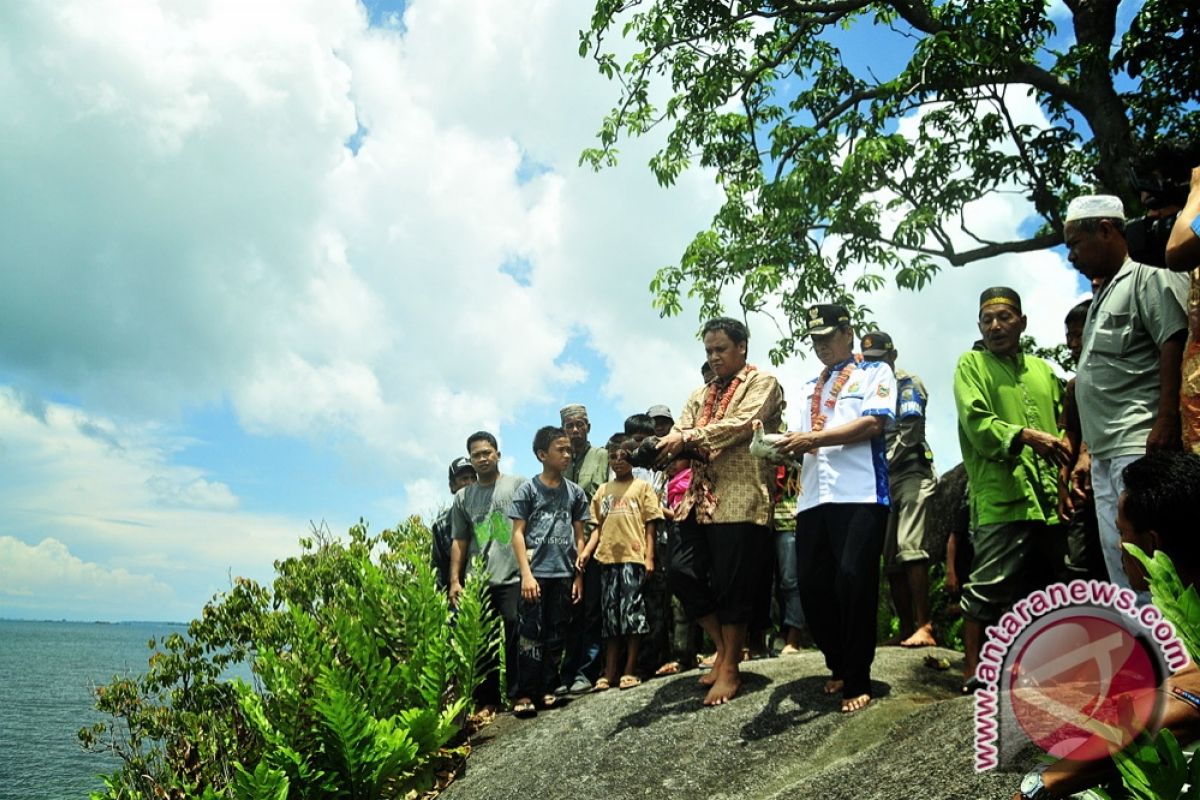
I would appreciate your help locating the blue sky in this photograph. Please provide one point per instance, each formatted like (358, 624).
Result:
(267, 265)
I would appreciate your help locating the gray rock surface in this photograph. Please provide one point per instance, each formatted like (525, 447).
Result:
(782, 737)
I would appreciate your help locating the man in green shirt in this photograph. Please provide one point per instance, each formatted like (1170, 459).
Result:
(1008, 408)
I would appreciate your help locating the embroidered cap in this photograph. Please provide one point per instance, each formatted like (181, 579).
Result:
(824, 319)
(572, 411)
(661, 411)
(1000, 295)
(1096, 206)
(459, 466)
(877, 344)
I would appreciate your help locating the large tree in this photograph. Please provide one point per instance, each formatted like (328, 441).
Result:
(823, 196)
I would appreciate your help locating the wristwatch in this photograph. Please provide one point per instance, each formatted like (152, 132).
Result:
(1032, 785)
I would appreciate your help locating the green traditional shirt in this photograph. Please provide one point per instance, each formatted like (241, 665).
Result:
(590, 471)
(996, 398)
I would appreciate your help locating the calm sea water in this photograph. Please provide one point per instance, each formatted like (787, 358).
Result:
(46, 672)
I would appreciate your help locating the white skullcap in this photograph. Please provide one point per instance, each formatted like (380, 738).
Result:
(1096, 206)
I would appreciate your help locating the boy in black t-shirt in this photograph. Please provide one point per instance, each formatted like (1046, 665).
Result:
(548, 513)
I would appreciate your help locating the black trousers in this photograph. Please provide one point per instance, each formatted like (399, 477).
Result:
(720, 569)
(838, 547)
(503, 599)
(542, 626)
(583, 631)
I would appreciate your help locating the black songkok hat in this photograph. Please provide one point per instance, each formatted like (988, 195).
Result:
(824, 319)
(1000, 295)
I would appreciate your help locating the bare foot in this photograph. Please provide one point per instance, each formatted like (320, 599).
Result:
(723, 690)
(789, 650)
(833, 686)
(922, 637)
(852, 704)
(709, 678)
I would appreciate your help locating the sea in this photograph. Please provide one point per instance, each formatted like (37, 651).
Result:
(47, 671)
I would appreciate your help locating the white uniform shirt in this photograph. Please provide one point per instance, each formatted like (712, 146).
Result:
(850, 473)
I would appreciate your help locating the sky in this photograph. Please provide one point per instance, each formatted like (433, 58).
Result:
(266, 265)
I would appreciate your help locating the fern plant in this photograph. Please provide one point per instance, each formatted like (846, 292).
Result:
(1156, 768)
(362, 677)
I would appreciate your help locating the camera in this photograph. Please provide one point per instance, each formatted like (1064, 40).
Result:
(1163, 177)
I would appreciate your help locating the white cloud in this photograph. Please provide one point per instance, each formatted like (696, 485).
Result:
(46, 580)
(183, 227)
(193, 493)
(184, 171)
(125, 513)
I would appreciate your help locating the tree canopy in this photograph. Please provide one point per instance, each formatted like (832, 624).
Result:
(823, 195)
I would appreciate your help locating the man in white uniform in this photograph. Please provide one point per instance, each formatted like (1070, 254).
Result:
(843, 504)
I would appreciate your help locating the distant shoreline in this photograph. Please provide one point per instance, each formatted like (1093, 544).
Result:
(98, 621)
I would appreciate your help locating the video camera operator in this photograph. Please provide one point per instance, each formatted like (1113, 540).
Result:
(1169, 183)
(1183, 247)
(1183, 254)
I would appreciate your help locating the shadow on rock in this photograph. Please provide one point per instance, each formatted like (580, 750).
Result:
(808, 702)
(683, 696)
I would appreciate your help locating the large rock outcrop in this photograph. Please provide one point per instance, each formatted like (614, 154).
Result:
(781, 738)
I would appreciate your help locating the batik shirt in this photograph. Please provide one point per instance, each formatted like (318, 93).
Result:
(733, 485)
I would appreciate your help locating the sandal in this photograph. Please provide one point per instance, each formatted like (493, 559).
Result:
(524, 710)
(602, 685)
(550, 701)
(630, 681)
(669, 668)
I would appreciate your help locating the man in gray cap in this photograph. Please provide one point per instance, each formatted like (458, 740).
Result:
(912, 482)
(662, 419)
(1127, 386)
(589, 469)
(461, 474)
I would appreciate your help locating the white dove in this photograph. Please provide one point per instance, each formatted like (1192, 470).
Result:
(765, 445)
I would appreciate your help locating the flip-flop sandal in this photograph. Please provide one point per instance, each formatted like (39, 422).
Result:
(524, 710)
(551, 701)
(670, 668)
(602, 685)
(630, 681)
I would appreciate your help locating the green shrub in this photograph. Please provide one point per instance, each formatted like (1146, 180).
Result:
(361, 679)
(1155, 768)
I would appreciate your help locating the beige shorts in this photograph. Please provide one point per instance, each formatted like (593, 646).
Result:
(904, 542)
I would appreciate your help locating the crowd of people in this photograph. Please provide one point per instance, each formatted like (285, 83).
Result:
(605, 573)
